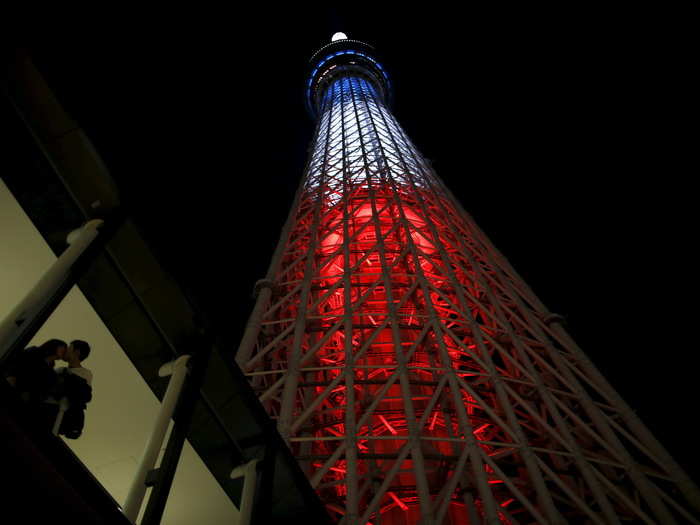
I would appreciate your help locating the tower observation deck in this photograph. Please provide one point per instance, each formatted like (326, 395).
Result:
(413, 373)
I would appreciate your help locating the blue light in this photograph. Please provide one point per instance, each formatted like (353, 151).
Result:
(350, 52)
(344, 52)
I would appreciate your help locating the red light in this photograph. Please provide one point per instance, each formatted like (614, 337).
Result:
(387, 425)
(398, 501)
(374, 347)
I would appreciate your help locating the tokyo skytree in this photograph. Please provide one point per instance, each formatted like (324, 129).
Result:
(414, 375)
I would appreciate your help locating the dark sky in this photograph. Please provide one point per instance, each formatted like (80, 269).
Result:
(558, 131)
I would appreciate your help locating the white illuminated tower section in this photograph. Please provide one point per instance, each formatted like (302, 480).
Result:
(414, 375)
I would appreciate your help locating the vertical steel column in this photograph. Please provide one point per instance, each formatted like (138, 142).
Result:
(352, 505)
(404, 381)
(463, 419)
(527, 454)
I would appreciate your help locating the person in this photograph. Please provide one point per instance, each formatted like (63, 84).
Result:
(75, 387)
(43, 387)
(32, 372)
(77, 352)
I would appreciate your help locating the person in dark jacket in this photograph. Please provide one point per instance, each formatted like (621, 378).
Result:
(32, 371)
(32, 374)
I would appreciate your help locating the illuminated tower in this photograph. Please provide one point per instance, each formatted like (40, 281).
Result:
(413, 373)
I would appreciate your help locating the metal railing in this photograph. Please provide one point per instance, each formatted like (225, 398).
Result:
(178, 371)
(20, 326)
(47, 293)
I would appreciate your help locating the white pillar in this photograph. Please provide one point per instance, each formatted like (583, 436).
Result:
(178, 370)
(11, 327)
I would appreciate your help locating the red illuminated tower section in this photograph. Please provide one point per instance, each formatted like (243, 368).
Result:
(414, 375)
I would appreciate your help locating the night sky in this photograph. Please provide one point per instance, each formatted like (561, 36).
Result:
(558, 132)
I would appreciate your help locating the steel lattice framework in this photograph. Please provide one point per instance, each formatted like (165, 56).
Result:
(415, 376)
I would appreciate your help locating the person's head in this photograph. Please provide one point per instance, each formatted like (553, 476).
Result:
(77, 350)
(54, 349)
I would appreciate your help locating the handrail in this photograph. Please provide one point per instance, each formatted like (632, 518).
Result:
(178, 370)
(40, 295)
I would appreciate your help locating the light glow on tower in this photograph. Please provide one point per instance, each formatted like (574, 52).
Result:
(414, 375)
